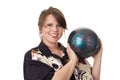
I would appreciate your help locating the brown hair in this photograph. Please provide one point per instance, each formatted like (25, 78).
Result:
(56, 13)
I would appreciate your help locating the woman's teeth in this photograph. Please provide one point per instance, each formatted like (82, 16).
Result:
(54, 35)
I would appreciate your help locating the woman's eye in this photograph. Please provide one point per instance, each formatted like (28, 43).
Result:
(59, 25)
(49, 25)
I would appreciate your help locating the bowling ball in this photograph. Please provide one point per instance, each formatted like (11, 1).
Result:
(84, 42)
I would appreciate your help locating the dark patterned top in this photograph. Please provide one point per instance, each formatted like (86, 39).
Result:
(40, 64)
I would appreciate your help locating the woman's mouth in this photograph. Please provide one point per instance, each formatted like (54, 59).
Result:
(54, 35)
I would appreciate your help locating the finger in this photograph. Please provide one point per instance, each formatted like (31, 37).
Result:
(67, 47)
(101, 47)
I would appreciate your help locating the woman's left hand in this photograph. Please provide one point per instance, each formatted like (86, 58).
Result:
(98, 55)
(97, 64)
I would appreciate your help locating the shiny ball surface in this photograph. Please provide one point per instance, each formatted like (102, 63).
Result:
(84, 42)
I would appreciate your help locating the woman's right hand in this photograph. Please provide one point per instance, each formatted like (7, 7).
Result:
(68, 68)
(71, 54)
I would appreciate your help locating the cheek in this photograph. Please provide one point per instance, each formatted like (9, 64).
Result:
(42, 30)
(61, 32)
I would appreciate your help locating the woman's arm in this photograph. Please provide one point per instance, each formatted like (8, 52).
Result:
(66, 71)
(97, 64)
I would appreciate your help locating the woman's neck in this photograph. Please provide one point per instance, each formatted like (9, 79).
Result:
(52, 46)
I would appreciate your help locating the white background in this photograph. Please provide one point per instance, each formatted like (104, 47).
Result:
(19, 31)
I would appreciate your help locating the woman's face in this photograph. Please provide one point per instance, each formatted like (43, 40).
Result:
(51, 31)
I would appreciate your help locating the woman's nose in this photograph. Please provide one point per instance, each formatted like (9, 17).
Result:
(54, 28)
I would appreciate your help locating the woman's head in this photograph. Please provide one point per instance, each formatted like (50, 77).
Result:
(56, 13)
(51, 24)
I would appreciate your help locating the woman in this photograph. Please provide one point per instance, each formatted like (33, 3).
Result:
(50, 60)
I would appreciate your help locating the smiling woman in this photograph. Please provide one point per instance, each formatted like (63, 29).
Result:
(50, 60)
(51, 31)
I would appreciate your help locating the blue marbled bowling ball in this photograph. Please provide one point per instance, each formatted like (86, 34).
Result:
(84, 42)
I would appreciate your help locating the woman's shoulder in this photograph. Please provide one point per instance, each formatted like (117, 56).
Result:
(28, 53)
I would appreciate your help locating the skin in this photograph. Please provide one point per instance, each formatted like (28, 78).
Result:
(51, 32)
(97, 64)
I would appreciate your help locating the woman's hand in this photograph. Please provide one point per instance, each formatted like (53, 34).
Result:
(99, 54)
(71, 54)
(97, 64)
(68, 68)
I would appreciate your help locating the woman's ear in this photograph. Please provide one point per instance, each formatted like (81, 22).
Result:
(64, 30)
(40, 31)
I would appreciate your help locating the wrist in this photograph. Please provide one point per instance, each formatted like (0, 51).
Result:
(97, 61)
(73, 62)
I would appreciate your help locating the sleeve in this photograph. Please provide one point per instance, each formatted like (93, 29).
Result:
(36, 70)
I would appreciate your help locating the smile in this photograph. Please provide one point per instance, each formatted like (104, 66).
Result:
(54, 35)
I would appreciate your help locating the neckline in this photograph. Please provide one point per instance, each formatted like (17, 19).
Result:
(47, 52)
